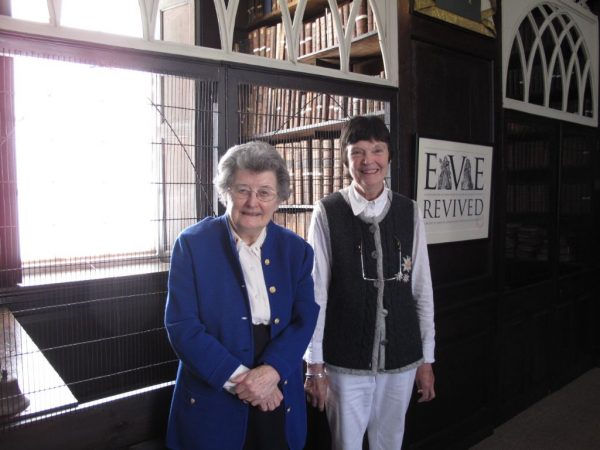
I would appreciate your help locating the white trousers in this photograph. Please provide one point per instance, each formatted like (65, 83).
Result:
(373, 403)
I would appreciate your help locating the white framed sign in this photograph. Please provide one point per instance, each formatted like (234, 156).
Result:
(453, 189)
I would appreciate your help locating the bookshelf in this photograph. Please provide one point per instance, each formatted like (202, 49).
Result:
(530, 168)
(576, 192)
(304, 126)
(550, 194)
(261, 32)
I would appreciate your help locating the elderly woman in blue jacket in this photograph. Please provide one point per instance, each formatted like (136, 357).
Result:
(240, 313)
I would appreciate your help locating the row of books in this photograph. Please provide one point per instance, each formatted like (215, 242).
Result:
(577, 152)
(298, 221)
(317, 34)
(267, 110)
(527, 198)
(576, 198)
(526, 242)
(522, 155)
(316, 169)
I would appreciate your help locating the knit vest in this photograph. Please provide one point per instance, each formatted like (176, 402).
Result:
(371, 321)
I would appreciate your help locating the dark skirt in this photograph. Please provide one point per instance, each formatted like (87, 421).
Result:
(266, 430)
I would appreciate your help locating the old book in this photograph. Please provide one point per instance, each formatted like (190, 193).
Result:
(289, 163)
(254, 42)
(279, 42)
(362, 18)
(322, 32)
(338, 170)
(327, 145)
(317, 169)
(262, 39)
(329, 28)
(301, 224)
(307, 176)
(308, 37)
(291, 222)
(269, 47)
(297, 158)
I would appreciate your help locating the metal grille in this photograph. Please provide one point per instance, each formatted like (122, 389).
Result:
(305, 127)
(138, 170)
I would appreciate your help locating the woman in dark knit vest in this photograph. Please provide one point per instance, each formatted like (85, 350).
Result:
(240, 312)
(375, 332)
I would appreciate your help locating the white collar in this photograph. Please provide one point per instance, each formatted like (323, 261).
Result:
(358, 203)
(239, 242)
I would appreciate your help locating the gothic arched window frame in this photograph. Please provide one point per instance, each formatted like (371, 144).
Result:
(567, 24)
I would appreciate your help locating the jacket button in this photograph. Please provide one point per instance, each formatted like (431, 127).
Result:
(276, 320)
(272, 289)
(374, 254)
(384, 342)
(288, 409)
(267, 262)
(285, 382)
(192, 401)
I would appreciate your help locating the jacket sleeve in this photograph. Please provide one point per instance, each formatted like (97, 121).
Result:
(200, 352)
(284, 352)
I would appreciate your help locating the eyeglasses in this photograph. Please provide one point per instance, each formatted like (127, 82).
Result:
(243, 192)
(403, 269)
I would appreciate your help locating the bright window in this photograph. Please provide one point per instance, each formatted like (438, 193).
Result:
(84, 160)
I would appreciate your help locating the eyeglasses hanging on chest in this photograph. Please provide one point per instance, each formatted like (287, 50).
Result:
(404, 264)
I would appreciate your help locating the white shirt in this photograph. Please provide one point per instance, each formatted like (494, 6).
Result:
(260, 310)
(421, 277)
(250, 260)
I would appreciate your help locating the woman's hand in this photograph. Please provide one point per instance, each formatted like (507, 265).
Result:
(425, 381)
(316, 385)
(272, 401)
(257, 386)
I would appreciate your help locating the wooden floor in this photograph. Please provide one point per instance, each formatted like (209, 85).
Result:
(568, 419)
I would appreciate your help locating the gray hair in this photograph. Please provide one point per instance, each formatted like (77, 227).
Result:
(255, 156)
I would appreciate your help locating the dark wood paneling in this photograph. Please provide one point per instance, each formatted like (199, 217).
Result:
(524, 348)
(454, 101)
(116, 424)
(454, 94)
(462, 406)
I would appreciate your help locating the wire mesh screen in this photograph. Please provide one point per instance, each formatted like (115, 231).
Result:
(109, 166)
(305, 127)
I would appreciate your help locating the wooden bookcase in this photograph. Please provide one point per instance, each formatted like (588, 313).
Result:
(549, 198)
(260, 31)
(304, 126)
(304, 123)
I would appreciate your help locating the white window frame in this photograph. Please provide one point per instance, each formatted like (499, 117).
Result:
(514, 12)
(385, 14)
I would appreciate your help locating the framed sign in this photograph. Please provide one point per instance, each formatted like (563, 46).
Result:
(474, 15)
(453, 189)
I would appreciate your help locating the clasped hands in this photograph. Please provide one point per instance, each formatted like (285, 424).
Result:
(258, 387)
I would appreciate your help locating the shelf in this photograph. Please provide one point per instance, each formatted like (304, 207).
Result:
(529, 175)
(291, 208)
(363, 46)
(313, 7)
(307, 131)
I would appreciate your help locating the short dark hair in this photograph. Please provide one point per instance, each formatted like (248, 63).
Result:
(364, 128)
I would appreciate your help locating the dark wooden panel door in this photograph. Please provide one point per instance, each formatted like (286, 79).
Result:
(454, 94)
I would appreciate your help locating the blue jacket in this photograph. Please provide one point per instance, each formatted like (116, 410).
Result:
(209, 325)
